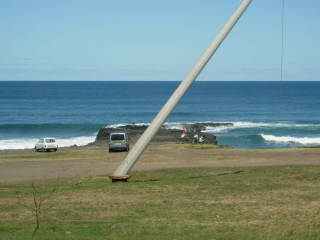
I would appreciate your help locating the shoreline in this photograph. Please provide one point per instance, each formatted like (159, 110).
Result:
(217, 146)
(239, 134)
(96, 144)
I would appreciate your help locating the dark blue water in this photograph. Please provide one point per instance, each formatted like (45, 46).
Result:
(266, 114)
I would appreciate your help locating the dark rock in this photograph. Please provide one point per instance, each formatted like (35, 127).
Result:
(165, 134)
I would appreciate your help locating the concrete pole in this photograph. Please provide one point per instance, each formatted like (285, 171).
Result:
(121, 173)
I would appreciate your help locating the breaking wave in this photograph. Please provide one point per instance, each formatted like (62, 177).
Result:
(168, 125)
(29, 143)
(116, 125)
(231, 125)
(244, 125)
(24, 136)
(290, 139)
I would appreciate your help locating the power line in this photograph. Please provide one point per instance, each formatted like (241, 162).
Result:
(282, 39)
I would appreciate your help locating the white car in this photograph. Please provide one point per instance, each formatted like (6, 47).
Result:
(118, 141)
(46, 144)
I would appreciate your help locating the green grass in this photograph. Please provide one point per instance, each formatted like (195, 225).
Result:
(242, 203)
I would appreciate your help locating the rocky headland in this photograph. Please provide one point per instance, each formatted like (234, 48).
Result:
(184, 133)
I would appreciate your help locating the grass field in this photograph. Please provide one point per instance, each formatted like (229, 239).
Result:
(194, 203)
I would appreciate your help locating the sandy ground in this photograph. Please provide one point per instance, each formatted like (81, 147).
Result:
(27, 166)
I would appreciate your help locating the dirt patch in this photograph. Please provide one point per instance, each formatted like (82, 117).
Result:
(27, 166)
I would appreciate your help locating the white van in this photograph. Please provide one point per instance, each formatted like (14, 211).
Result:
(118, 141)
(46, 144)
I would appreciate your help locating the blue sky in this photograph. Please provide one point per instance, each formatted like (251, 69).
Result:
(154, 40)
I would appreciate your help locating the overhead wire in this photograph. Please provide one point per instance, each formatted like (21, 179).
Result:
(282, 40)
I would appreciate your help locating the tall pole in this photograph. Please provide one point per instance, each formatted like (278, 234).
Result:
(121, 172)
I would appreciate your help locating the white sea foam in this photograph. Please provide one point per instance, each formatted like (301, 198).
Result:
(174, 125)
(224, 128)
(168, 125)
(117, 125)
(270, 125)
(29, 143)
(243, 125)
(218, 129)
(79, 141)
(290, 139)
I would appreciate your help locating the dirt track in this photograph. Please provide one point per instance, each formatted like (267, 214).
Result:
(27, 166)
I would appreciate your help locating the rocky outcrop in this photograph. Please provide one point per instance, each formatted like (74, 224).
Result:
(194, 133)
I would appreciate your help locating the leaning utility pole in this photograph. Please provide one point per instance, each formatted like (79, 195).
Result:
(121, 173)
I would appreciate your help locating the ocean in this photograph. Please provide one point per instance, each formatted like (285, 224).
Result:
(264, 114)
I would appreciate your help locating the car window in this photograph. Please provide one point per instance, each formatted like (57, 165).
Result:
(41, 141)
(115, 137)
(50, 140)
